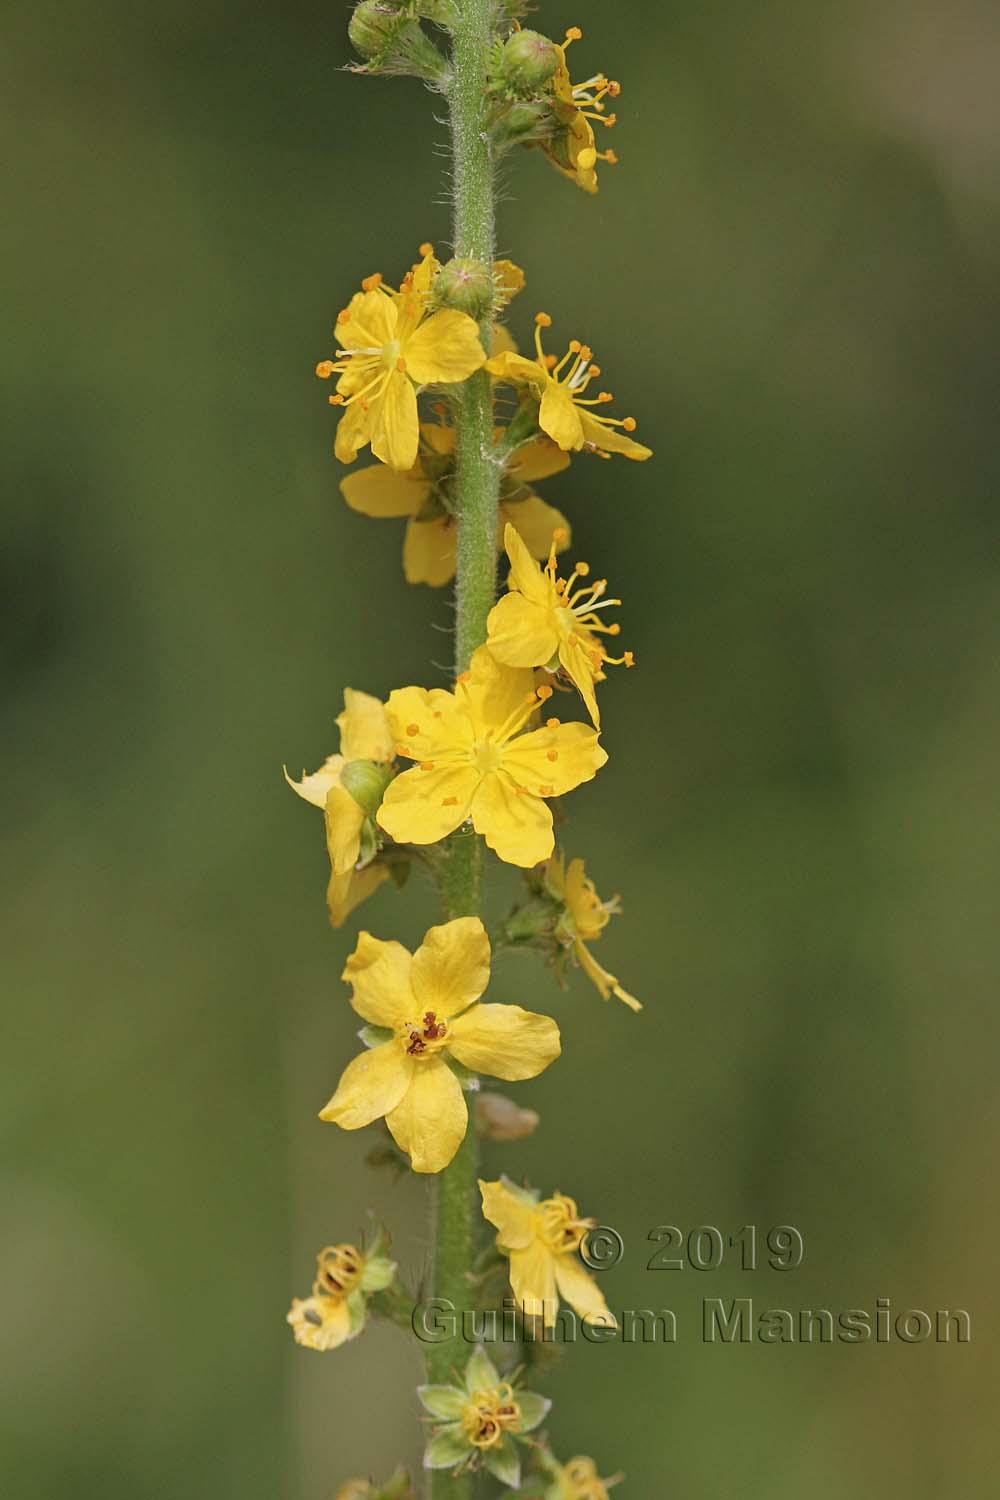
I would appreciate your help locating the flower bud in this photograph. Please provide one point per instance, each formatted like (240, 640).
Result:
(527, 63)
(467, 285)
(391, 41)
(366, 782)
(522, 123)
(500, 1119)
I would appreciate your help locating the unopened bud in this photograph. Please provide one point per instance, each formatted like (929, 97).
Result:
(366, 782)
(465, 284)
(500, 1119)
(386, 35)
(522, 123)
(527, 63)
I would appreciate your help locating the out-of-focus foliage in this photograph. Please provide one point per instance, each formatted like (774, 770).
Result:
(793, 277)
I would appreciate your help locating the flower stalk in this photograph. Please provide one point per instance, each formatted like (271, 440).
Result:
(477, 487)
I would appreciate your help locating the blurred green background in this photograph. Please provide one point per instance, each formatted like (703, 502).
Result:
(791, 280)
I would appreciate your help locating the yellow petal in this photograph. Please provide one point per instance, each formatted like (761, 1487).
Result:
(612, 439)
(429, 552)
(538, 459)
(371, 321)
(501, 341)
(438, 438)
(423, 807)
(346, 892)
(509, 279)
(517, 370)
(525, 574)
(504, 1041)
(396, 431)
(379, 973)
(344, 822)
(430, 1121)
(579, 666)
(521, 633)
(364, 728)
(559, 416)
(451, 968)
(606, 983)
(444, 348)
(578, 758)
(513, 1218)
(354, 431)
(371, 1085)
(516, 825)
(492, 692)
(581, 1291)
(533, 1282)
(535, 523)
(381, 492)
(428, 721)
(314, 788)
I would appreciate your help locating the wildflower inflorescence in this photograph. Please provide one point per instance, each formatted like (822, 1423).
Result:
(426, 777)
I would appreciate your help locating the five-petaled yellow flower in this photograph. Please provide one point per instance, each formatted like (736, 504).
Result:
(583, 920)
(428, 1006)
(566, 412)
(475, 762)
(542, 1242)
(547, 621)
(424, 495)
(390, 346)
(364, 736)
(577, 108)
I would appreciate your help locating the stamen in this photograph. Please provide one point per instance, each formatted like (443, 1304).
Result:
(426, 248)
(371, 282)
(325, 369)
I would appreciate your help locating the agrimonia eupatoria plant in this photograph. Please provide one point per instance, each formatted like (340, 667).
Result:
(436, 777)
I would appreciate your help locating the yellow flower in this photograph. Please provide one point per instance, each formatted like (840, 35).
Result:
(475, 762)
(565, 409)
(364, 736)
(583, 920)
(336, 1311)
(577, 107)
(546, 621)
(424, 495)
(579, 1480)
(390, 346)
(542, 1241)
(427, 1009)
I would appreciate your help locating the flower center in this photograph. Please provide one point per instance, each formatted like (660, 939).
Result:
(426, 1038)
(338, 1272)
(488, 1414)
(561, 1228)
(488, 756)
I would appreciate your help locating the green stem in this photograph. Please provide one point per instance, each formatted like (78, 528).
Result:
(455, 1211)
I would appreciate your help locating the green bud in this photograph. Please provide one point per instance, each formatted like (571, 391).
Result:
(527, 63)
(366, 783)
(386, 34)
(465, 284)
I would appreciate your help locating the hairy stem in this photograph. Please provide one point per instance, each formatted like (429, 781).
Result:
(455, 1212)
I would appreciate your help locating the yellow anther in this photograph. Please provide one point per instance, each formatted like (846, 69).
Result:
(594, 370)
(343, 315)
(371, 282)
(611, 120)
(605, 397)
(324, 369)
(583, 569)
(560, 534)
(573, 34)
(586, 352)
(546, 791)
(611, 158)
(630, 424)
(412, 729)
(543, 320)
(426, 248)
(335, 400)
(552, 755)
(543, 694)
(629, 659)
(426, 765)
(614, 629)
(552, 723)
(575, 346)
